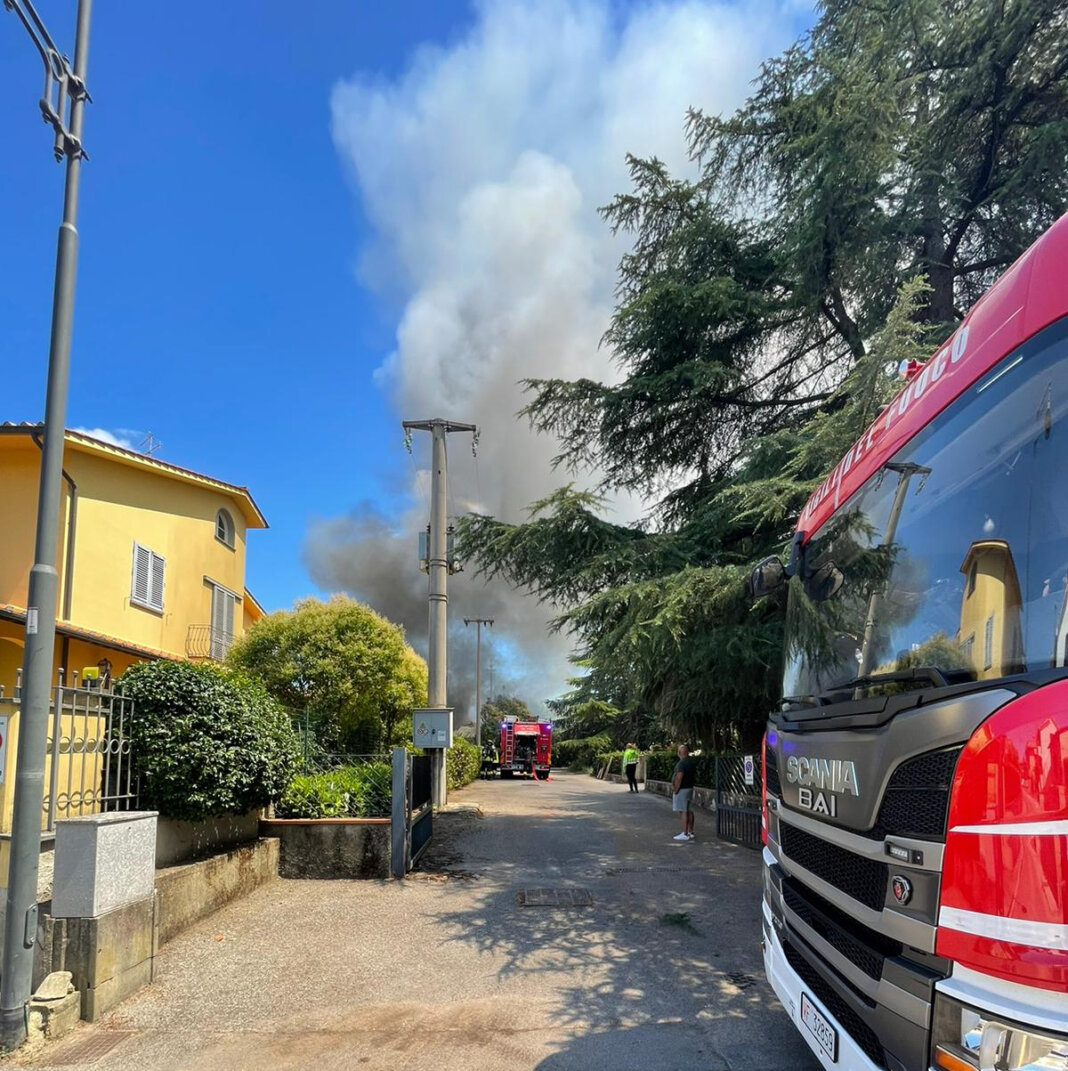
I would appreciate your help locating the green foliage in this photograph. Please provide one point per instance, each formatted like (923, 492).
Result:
(613, 760)
(884, 170)
(660, 765)
(204, 741)
(463, 762)
(580, 754)
(345, 665)
(312, 796)
(495, 710)
(362, 791)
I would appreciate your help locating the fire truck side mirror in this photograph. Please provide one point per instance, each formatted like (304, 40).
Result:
(766, 577)
(824, 582)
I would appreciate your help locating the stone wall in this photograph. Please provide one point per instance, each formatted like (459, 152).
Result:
(192, 891)
(182, 842)
(705, 798)
(331, 847)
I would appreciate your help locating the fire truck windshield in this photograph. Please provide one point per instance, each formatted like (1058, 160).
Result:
(954, 555)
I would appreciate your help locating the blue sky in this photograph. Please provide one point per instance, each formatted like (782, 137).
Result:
(301, 223)
(217, 304)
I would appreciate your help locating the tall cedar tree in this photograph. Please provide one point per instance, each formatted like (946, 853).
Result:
(885, 169)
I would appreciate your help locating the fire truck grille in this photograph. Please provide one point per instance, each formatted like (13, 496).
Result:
(863, 879)
(916, 801)
(862, 947)
(851, 1022)
(771, 772)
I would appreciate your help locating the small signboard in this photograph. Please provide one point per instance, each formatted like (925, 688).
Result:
(750, 770)
(432, 727)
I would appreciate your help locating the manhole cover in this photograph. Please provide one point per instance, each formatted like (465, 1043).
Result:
(88, 1049)
(570, 897)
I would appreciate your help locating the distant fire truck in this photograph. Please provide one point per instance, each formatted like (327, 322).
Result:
(526, 748)
(916, 776)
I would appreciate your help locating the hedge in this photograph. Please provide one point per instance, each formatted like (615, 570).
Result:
(580, 754)
(463, 762)
(205, 742)
(362, 791)
(659, 766)
(614, 760)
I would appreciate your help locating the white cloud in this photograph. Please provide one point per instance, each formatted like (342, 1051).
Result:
(111, 437)
(481, 170)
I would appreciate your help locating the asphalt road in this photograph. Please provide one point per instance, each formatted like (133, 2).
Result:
(447, 970)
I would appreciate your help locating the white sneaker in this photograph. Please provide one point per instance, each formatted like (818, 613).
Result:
(681, 836)
(690, 836)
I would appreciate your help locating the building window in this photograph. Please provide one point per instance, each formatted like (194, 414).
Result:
(989, 650)
(223, 603)
(972, 574)
(146, 588)
(966, 648)
(224, 528)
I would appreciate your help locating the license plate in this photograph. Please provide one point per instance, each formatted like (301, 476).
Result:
(819, 1028)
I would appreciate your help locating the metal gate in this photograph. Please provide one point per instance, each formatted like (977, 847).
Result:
(738, 805)
(412, 813)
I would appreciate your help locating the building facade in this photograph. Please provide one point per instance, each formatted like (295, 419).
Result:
(151, 557)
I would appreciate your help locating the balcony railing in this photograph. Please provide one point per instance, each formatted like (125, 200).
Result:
(204, 641)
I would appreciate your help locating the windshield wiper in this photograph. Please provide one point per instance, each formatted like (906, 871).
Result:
(931, 676)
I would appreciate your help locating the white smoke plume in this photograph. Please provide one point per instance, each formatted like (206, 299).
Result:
(481, 170)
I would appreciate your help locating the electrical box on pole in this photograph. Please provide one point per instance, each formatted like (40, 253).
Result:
(431, 727)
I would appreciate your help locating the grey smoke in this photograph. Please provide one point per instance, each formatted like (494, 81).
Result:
(480, 170)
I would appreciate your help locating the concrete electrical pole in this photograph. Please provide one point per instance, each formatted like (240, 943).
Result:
(478, 622)
(62, 106)
(438, 569)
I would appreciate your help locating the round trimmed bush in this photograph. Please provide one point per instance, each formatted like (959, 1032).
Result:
(206, 742)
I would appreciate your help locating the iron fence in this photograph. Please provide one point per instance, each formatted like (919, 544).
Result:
(738, 804)
(88, 767)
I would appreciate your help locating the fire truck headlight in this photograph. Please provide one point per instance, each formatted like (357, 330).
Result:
(965, 1038)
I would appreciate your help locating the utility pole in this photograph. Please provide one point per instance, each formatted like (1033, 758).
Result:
(478, 622)
(438, 569)
(62, 106)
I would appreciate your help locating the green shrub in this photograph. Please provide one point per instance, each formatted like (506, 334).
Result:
(312, 796)
(205, 741)
(463, 761)
(659, 766)
(362, 791)
(369, 787)
(580, 754)
(614, 760)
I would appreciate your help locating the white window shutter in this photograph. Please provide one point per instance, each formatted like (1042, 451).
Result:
(228, 617)
(142, 569)
(156, 600)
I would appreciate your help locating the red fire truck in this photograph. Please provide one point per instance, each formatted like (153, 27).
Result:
(916, 777)
(526, 748)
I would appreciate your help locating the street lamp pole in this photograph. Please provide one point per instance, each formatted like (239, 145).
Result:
(478, 622)
(62, 106)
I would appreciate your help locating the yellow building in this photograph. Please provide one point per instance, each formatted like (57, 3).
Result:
(990, 635)
(151, 556)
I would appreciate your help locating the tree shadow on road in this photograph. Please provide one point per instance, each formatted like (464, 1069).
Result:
(626, 984)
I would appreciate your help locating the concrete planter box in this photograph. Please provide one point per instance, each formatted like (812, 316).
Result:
(704, 798)
(192, 891)
(103, 862)
(331, 847)
(183, 842)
